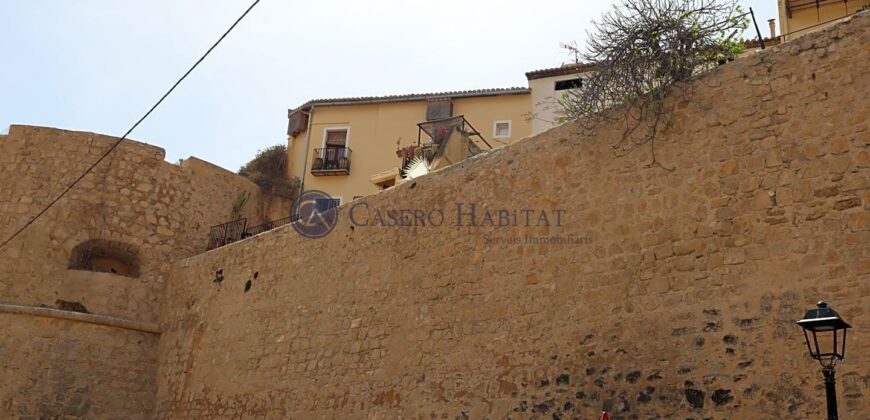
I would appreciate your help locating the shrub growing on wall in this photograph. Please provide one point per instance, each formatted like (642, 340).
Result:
(268, 169)
(642, 48)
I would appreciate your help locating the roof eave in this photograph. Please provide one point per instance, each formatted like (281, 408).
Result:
(410, 98)
(560, 71)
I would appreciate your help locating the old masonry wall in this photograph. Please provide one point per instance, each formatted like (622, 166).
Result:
(56, 360)
(683, 304)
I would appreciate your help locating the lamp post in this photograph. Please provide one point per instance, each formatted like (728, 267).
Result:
(828, 345)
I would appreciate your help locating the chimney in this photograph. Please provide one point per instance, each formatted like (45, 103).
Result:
(772, 23)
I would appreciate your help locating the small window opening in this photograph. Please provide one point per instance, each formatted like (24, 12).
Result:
(323, 205)
(569, 84)
(502, 129)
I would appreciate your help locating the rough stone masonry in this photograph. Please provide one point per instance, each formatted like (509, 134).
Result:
(83, 344)
(679, 302)
(682, 306)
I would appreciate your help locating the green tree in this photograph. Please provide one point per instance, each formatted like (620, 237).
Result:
(268, 169)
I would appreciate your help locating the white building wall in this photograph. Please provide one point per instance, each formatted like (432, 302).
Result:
(545, 101)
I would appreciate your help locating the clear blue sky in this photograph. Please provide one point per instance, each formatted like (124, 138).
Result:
(97, 65)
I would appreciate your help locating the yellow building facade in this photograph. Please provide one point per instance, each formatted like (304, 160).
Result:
(347, 147)
(800, 17)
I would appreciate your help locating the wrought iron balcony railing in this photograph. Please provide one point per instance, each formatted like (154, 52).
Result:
(331, 161)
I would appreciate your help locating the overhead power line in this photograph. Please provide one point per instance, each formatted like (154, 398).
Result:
(124, 137)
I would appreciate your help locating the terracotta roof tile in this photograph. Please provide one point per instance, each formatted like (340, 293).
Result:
(415, 97)
(565, 69)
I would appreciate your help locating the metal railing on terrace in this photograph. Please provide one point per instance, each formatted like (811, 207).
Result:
(438, 131)
(227, 233)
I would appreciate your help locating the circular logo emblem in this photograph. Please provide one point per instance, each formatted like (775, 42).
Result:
(314, 214)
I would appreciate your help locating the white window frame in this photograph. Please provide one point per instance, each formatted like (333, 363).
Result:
(346, 136)
(495, 129)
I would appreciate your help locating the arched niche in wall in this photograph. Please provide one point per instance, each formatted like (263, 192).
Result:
(105, 256)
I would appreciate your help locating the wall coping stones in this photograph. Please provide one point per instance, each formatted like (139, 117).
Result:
(105, 320)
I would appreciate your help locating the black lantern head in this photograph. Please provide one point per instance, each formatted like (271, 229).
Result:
(828, 331)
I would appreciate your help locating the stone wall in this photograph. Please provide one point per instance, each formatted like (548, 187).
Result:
(677, 301)
(135, 203)
(160, 210)
(56, 368)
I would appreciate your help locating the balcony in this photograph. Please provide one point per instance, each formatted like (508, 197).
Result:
(440, 150)
(331, 161)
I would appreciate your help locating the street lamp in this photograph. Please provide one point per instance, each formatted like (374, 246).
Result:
(828, 345)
